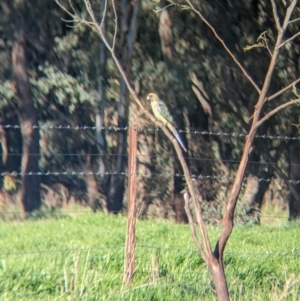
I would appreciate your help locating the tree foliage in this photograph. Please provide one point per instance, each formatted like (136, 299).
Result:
(64, 69)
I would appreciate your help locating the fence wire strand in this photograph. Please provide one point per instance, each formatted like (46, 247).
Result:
(65, 212)
(149, 247)
(148, 129)
(145, 174)
(152, 157)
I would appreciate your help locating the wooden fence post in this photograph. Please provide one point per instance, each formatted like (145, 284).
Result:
(131, 217)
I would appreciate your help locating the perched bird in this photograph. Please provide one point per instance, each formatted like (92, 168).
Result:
(161, 112)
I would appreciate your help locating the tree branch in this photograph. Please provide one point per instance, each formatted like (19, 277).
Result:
(295, 20)
(116, 25)
(104, 15)
(289, 40)
(225, 46)
(275, 14)
(288, 14)
(192, 226)
(274, 111)
(283, 90)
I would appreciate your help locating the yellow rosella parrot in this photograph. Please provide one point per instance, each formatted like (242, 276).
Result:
(161, 112)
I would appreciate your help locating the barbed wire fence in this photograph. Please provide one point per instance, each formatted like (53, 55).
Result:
(127, 173)
(148, 129)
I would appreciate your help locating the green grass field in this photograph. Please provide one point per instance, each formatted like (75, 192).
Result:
(81, 258)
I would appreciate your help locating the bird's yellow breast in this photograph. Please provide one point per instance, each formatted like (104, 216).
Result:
(156, 112)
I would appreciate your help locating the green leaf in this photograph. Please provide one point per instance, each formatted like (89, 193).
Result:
(296, 91)
(185, 7)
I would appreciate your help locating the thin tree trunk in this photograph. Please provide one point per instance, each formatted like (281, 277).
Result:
(128, 34)
(100, 123)
(294, 173)
(117, 187)
(30, 137)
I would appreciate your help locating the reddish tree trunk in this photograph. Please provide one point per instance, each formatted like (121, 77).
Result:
(216, 269)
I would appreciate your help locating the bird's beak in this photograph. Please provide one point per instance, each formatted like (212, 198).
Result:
(148, 97)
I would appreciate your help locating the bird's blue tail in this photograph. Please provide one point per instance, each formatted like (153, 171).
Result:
(175, 133)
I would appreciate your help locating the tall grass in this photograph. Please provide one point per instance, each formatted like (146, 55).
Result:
(81, 258)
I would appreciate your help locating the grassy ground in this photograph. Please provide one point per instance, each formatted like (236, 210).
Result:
(81, 258)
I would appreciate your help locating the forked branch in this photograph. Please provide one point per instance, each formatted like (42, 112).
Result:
(256, 122)
(206, 249)
(233, 196)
